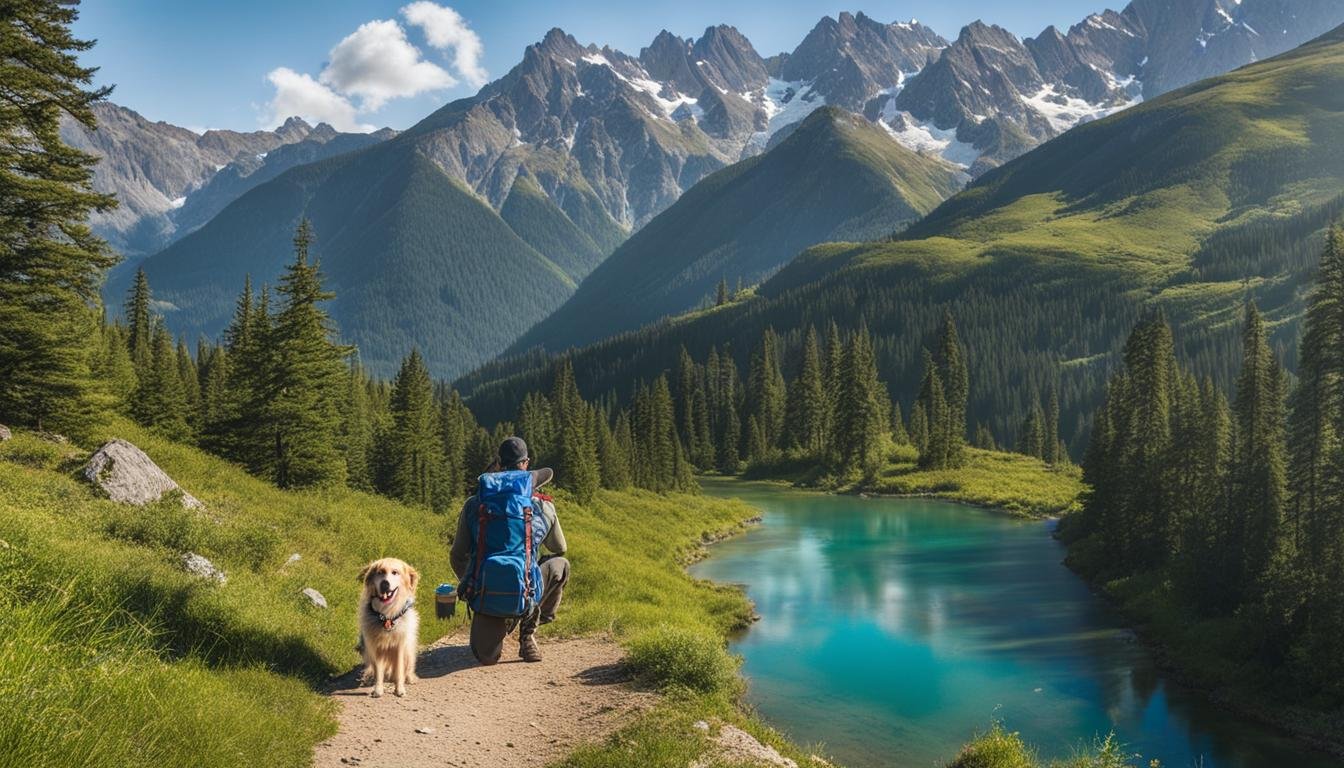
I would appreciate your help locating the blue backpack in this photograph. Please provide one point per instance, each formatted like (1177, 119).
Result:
(503, 576)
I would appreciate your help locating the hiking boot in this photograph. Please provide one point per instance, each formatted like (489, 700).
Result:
(527, 648)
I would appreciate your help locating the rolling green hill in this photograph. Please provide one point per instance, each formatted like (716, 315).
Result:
(836, 177)
(414, 256)
(1189, 203)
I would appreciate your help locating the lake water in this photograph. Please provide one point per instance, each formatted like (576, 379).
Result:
(892, 630)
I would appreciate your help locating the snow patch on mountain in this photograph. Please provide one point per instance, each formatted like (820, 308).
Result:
(785, 103)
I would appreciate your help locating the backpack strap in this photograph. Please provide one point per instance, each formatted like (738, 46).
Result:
(527, 549)
(482, 515)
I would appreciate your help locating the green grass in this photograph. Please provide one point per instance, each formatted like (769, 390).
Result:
(119, 656)
(1010, 482)
(997, 748)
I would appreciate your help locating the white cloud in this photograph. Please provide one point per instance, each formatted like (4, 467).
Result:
(377, 63)
(446, 29)
(299, 94)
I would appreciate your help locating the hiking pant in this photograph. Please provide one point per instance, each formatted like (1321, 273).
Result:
(488, 632)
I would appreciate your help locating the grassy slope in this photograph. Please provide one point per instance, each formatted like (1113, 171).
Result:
(836, 177)
(119, 657)
(1011, 482)
(531, 214)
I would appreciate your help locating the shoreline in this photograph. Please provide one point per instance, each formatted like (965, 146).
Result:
(1287, 720)
(1284, 719)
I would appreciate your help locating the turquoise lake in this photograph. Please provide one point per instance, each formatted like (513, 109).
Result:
(892, 630)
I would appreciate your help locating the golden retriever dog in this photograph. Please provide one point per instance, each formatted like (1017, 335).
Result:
(388, 623)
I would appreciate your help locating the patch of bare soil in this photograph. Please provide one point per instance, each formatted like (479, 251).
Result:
(464, 715)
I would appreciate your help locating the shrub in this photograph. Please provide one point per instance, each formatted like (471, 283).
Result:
(673, 658)
(996, 749)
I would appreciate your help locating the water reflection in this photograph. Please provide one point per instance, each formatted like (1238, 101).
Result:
(892, 629)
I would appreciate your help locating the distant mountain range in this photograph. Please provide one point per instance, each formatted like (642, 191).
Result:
(603, 142)
(171, 180)
(835, 177)
(1191, 203)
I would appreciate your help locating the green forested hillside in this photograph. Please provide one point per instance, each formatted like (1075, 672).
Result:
(416, 258)
(836, 177)
(1187, 203)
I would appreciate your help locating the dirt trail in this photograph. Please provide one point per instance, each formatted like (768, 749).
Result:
(464, 715)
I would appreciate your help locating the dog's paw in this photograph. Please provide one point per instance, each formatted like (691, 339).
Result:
(400, 692)
(376, 693)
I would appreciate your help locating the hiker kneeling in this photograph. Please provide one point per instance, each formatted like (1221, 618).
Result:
(496, 556)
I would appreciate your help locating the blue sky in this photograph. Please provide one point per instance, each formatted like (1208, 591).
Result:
(368, 64)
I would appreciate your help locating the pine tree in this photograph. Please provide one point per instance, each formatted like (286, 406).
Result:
(577, 467)
(51, 264)
(457, 428)
(956, 384)
(860, 420)
(766, 392)
(415, 451)
(984, 438)
(614, 466)
(140, 323)
(1050, 448)
(357, 429)
(807, 402)
(1031, 438)
(833, 376)
(537, 426)
(159, 401)
(305, 372)
(191, 385)
(721, 293)
(1258, 473)
(113, 369)
(919, 428)
(937, 450)
(899, 434)
(730, 424)
(616, 469)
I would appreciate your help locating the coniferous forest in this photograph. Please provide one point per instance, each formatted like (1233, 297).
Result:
(1237, 504)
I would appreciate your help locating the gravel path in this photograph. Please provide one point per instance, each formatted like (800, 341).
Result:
(464, 715)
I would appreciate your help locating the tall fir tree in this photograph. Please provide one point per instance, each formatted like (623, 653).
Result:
(807, 402)
(861, 423)
(140, 322)
(415, 450)
(577, 467)
(955, 377)
(357, 429)
(933, 401)
(766, 392)
(51, 264)
(159, 401)
(1258, 472)
(305, 372)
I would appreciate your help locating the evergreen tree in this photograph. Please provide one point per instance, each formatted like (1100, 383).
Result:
(938, 447)
(984, 438)
(357, 429)
(1258, 473)
(730, 425)
(766, 392)
(833, 373)
(415, 451)
(956, 385)
(721, 293)
(140, 323)
(51, 264)
(191, 385)
(113, 369)
(616, 470)
(613, 465)
(305, 373)
(807, 402)
(159, 401)
(577, 452)
(919, 428)
(1031, 438)
(537, 426)
(860, 420)
(457, 429)
(899, 435)
(1050, 450)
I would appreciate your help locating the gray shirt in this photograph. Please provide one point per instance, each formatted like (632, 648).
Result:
(462, 543)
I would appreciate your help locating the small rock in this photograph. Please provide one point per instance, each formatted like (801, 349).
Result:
(509, 744)
(198, 565)
(127, 475)
(294, 558)
(700, 725)
(5, 434)
(424, 730)
(315, 597)
(4, 544)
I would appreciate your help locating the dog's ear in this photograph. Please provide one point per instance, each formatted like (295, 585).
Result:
(364, 572)
(412, 576)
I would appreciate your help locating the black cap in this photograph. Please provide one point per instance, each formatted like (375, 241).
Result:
(512, 451)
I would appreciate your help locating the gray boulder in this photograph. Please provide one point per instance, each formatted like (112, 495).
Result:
(198, 565)
(315, 597)
(5, 434)
(128, 476)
